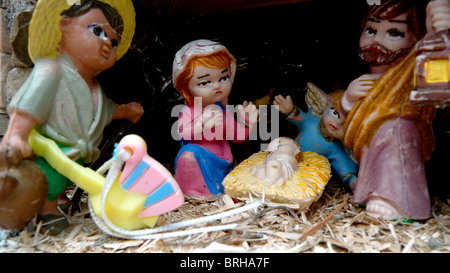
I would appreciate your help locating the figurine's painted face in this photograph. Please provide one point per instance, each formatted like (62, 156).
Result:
(211, 84)
(90, 40)
(384, 41)
(333, 122)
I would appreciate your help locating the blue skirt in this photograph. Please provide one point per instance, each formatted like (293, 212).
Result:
(213, 168)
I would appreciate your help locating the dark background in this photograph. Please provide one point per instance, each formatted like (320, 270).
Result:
(278, 46)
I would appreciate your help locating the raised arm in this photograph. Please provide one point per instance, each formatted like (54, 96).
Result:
(131, 111)
(241, 129)
(356, 90)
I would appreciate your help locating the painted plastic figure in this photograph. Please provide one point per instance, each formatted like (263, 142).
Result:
(281, 161)
(136, 190)
(61, 99)
(391, 138)
(203, 72)
(321, 129)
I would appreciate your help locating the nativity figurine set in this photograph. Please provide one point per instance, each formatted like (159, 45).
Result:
(375, 135)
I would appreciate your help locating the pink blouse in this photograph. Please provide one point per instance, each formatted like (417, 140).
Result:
(190, 127)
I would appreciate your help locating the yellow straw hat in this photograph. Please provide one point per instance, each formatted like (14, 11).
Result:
(45, 35)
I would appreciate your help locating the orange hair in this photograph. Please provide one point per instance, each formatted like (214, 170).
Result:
(336, 98)
(217, 60)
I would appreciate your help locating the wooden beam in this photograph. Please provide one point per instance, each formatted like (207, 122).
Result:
(214, 6)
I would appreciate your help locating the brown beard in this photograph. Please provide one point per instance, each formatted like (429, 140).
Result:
(380, 55)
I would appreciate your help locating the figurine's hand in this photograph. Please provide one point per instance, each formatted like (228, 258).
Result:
(212, 117)
(19, 129)
(358, 89)
(285, 105)
(438, 15)
(248, 113)
(135, 111)
(20, 143)
(131, 111)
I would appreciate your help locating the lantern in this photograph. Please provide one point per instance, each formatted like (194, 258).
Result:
(432, 72)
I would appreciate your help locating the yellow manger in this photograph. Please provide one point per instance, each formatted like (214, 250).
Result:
(304, 187)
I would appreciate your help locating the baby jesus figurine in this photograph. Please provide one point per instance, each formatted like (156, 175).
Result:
(282, 159)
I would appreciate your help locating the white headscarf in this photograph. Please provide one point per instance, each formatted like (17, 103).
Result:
(198, 48)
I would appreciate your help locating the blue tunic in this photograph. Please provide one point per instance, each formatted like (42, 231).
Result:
(311, 139)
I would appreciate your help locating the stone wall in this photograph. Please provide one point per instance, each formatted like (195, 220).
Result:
(15, 64)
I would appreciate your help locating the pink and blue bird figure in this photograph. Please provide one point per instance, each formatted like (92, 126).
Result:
(143, 174)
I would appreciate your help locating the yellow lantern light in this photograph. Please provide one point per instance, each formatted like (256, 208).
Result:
(432, 72)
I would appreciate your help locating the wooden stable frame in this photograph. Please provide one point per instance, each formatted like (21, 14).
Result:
(208, 6)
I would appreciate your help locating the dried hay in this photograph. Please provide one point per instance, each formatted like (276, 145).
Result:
(332, 224)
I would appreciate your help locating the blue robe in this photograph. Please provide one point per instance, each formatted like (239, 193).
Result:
(311, 139)
(214, 169)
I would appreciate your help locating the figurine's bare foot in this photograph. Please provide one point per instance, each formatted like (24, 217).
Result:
(379, 208)
(51, 219)
(63, 199)
(50, 207)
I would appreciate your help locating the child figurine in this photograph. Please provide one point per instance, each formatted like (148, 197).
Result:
(61, 99)
(391, 138)
(203, 72)
(321, 129)
(282, 159)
